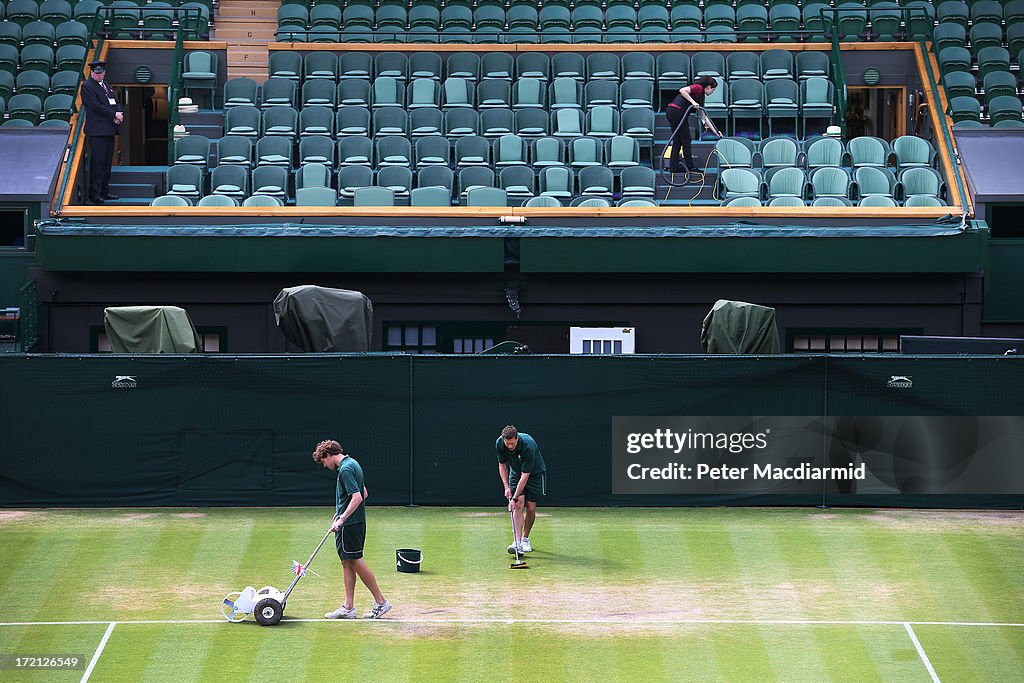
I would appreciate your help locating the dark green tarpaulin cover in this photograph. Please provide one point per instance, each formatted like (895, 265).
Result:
(739, 327)
(321, 319)
(150, 329)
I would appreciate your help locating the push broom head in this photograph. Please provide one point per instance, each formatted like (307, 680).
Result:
(519, 565)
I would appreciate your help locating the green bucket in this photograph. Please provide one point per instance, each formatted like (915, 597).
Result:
(408, 560)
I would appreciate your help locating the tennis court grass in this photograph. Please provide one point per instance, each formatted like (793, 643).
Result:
(611, 594)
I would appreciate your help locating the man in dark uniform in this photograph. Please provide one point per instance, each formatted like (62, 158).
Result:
(103, 115)
(522, 471)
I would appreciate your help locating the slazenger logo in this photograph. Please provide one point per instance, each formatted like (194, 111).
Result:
(900, 382)
(124, 382)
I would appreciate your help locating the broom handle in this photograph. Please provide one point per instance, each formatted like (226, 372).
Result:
(301, 572)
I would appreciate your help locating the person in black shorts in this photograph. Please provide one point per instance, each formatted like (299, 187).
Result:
(350, 529)
(690, 95)
(524, 476)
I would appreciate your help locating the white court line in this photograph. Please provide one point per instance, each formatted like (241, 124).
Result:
(485, 620)
(99, 651)
(921, 653)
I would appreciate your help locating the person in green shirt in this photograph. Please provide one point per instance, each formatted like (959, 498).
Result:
(524, 476)
(350, 530)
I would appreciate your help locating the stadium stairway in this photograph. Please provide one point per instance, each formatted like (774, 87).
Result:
(247, 26)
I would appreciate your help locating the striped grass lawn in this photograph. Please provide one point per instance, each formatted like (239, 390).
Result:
(611, 594)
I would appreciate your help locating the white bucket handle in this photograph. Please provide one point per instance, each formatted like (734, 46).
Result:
(402, 558)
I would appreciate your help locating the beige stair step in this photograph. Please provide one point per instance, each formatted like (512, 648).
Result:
(252, 33)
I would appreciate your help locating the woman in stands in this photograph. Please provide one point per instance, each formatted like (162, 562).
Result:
(693, 94)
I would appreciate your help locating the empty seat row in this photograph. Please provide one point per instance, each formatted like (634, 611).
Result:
(386, 91)
(44, 33)
(617, 153)
(873, 201)
(32, 109)
(249, 121)
(981, 36)
(669, 69)
(559, 182)
(38, 57)
(908, 151)
(831, 181)
(38, 83)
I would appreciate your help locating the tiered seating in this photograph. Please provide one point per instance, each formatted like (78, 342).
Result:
(156, 20)
(593, 21)
(565, 127)
(980, 61)
(824, 172)
(42, 52)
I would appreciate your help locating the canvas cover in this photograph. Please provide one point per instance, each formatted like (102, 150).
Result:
(324, 319)
(739, 327)
(150, 329)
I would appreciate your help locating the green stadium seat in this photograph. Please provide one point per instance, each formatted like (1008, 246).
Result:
(716, 105)
(353, 150)
(965, 109)
(812, 65)
(316, 121)
(390, 121)
(291, 16)
(22, 12)
(547, 151)
(278, 92)
(437, 177)
(422, 92)
(494, 92)
(220, 200)
(351, 92)
(953, 11)
(780, 151)
(350, 179)
(529, 123)
(785, 181)
(734, 153)
(590, 202)
(587, 17)
(830, 181)
(426, 122)
(262, 200)
(569, 65)
(392, 151)
(519, 184)
(720, 34)
(986, 35)
(61, 83)
(387, 92)
(565, 123)
(285, 65)
(752, 23)
(743, 202)
(489, 16)
(320, 93)
(785, 21)
(38, 58)
(234, 150)
(817, 101)
(239, 92)
(430, 196)
(169, 200)
(877, 201)
(58, 107)
(814, 22)
(457, 93)
(33, 83)
(184, 180)
(316, 175)
(949, 35)
(746, 102)
(873, 181)
(534, 65)
(281, 121)
(868, 151)
(275, 151)
(320, 65)
(486, 196)
(886, 21)
(472, 150)
(392, 64)
(461, 123)
(636, 202)
(673, 71)
(920, 19)
(638, 66)
(782, 103)
(584, 152)
(740, 182)
(542, 202)
(391, 19)
(991, 59)
(831, 202)
(474, 177)
(70, 58)
(497, 65)
(653, 16)
(430, 151)
(912, 151)
(707, 64)
(200, 73)
(1000, 83)
(315, 149)
(921, 182)
(776, 64)
(604, 66)
(510, 150)
(922, 200)
(637, 182)
(622, 152)
(601, 93)
(786, 201)
(465, 65)
(959, 84)
(38, 33)
(1004, 108)
(557, 182)
(425, 65)
(316, 196)
(986, 12)
(742, 65)
(1015, 39)
(565, 93)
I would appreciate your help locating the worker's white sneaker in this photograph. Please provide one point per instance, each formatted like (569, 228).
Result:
(377, 611)
(525, 546)
(342, 613)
